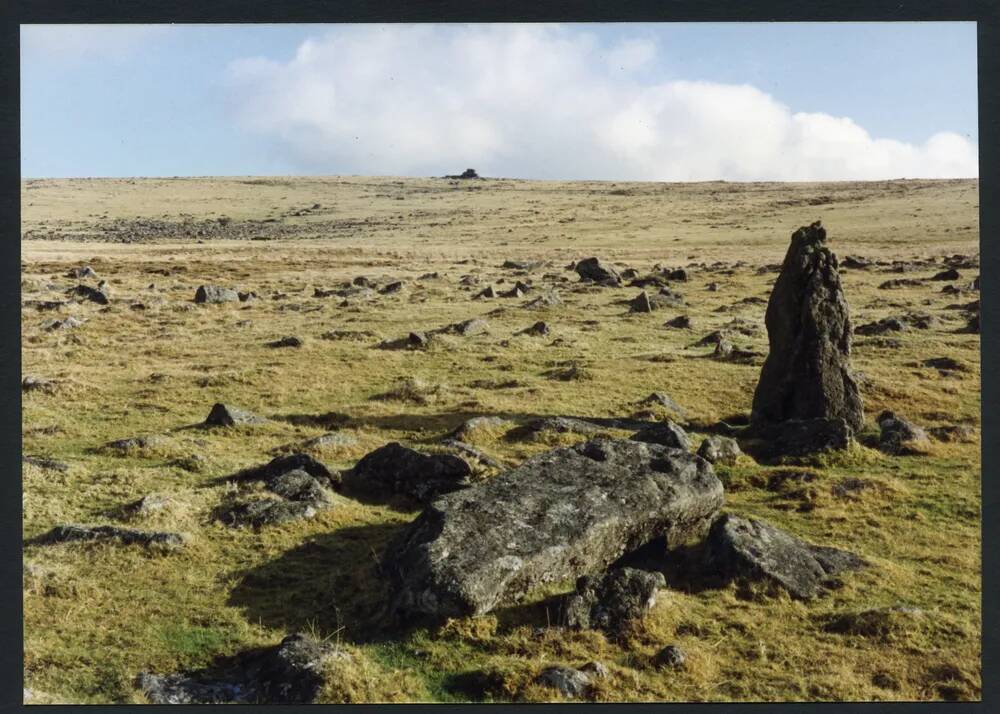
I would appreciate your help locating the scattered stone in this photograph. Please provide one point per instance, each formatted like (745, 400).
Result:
(287, 341)
(953, 432)
(898, 436)
(663, 400)
(612, 601)
(298, 485)
(393, 287)
(670, 657)
(66, 324)
(469, 328)
(146, 506)
(562, 425)
(264, 512)
(46, 463)
(754, 550)
(561, 514)
(284, 464)
(335, 439)
(394, 469)
(31, 383)
(719, 450)
(289, 673)
(856, 263)
(945, 364)
(886, 324)
(591, 270)
(98, 295)
(644, 302)
(467, 450)
(485, 293)
(215, 294)
(665, 433)
(248, 296)
(81, 272)
(526, 265)
(681, 322)
(539, 329)
(807, 374)
(477, 425)
(126, 536)
(225, 415)
(545, 301)
(949, 274)
(136, 443)
(571, 683)
(901, 283)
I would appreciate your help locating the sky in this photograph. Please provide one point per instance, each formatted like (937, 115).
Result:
(617, 101)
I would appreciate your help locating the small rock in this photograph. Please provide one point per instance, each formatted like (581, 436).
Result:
(591, 270)
(125, 536)
(264, 512)
(681, 322)
(81, 272)
(953, 432)
(670, 657)
(612, 601)
(66, 324)
(719, 450)
(224, 415)
(37, 384)
(539, 329)
(754, 550)
(288, 341)
(949, 274)
(898, 436)
(394, 469)
(571, 683)
(215, 294)
(665, 433)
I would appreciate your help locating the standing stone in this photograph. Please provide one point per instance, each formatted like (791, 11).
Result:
(806, 374)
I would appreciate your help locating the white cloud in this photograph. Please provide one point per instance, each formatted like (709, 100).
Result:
(543, 101)
(80, 42)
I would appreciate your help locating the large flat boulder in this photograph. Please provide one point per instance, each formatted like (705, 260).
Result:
(560, 515)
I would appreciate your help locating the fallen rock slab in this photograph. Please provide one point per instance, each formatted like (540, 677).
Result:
(757, 551)
(562, 514)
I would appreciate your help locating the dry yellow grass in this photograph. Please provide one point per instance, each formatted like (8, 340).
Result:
(97, 615)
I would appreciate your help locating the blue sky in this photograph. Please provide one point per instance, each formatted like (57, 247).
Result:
(785, 101)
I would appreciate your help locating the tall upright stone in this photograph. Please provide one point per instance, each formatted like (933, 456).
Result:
(807, 374)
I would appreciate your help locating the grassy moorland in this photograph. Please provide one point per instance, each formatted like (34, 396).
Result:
(96, 615)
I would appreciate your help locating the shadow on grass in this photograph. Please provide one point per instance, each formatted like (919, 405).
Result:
(329, 585)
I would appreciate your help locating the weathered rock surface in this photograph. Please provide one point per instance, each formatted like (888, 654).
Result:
(85, 292)
(807, 374)
(289, 673)
(665, 433)
(264, 512)
(719, 450)
(898, 436)
(225, 415)
(126, 536)
(753, 550)
(571, 683)
(801, 437)
(592, 270)
(670, 657)
(612, 601)
(394, 469)
(562, 514)
(215, 294)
